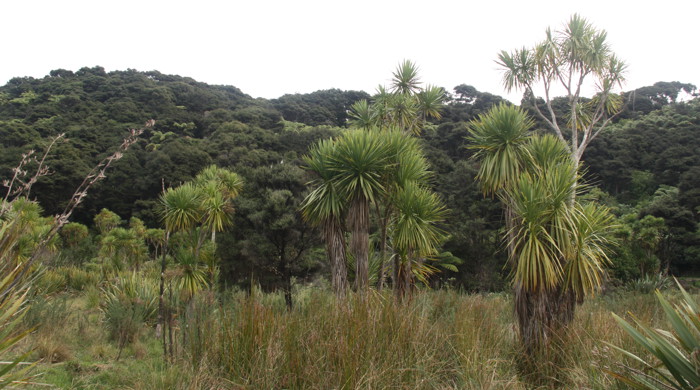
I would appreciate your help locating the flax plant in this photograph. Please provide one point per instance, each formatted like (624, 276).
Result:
(675, 363)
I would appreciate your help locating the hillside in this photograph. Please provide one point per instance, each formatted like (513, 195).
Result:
(646, 163)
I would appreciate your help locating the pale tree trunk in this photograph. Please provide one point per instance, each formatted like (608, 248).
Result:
(510, 233)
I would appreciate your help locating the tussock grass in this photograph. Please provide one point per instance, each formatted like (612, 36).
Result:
(437, 340)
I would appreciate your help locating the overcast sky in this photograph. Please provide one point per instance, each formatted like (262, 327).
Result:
(268, 47)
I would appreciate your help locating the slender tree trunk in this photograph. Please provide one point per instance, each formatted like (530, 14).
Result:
(170, 323)
(383, 266)
(287, 280)
(384, 224)
(396, 273)
(359, 241)
(161, 301)
(404, 282)
(335, 250)
(200, 241)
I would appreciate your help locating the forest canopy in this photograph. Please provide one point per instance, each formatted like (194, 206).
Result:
(644, 165)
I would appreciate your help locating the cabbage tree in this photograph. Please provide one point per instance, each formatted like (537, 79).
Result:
(574, 59)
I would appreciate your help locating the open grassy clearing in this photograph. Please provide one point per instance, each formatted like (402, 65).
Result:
(439, 339)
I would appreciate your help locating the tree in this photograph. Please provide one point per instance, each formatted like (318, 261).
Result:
(500, 139)
(122, 246)
(73, 233)
(406, 105)
(557, 248)
(654, 97)
(407, 166)
(219, 187)
(358, 163)
(197, 208)
(325, 206)
(416, 235)
(467, 103)
(106, 220)
(201, 207)
(156, 239)
(180, 212)
(575, 58)
(328, 107)
(272, 244)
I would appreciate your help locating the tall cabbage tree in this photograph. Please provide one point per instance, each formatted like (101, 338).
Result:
(407, 104)
(220, 186)
(326, 207)
(574, 59)
(358, 164)
(181, 212)
(201, 207)
(416, 234)
(557, 248)
(407, 166)
(197, 208)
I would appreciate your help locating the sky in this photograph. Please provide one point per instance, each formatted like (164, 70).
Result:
(268, 48)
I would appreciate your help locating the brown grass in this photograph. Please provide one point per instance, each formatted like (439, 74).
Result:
(437, 340)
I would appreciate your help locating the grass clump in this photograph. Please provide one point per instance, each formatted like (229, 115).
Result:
(128, 304)
(363, 343)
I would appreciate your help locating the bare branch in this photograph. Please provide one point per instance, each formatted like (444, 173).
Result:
(568, 59)
(19, 173)
(548, 102)
(96, 174)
